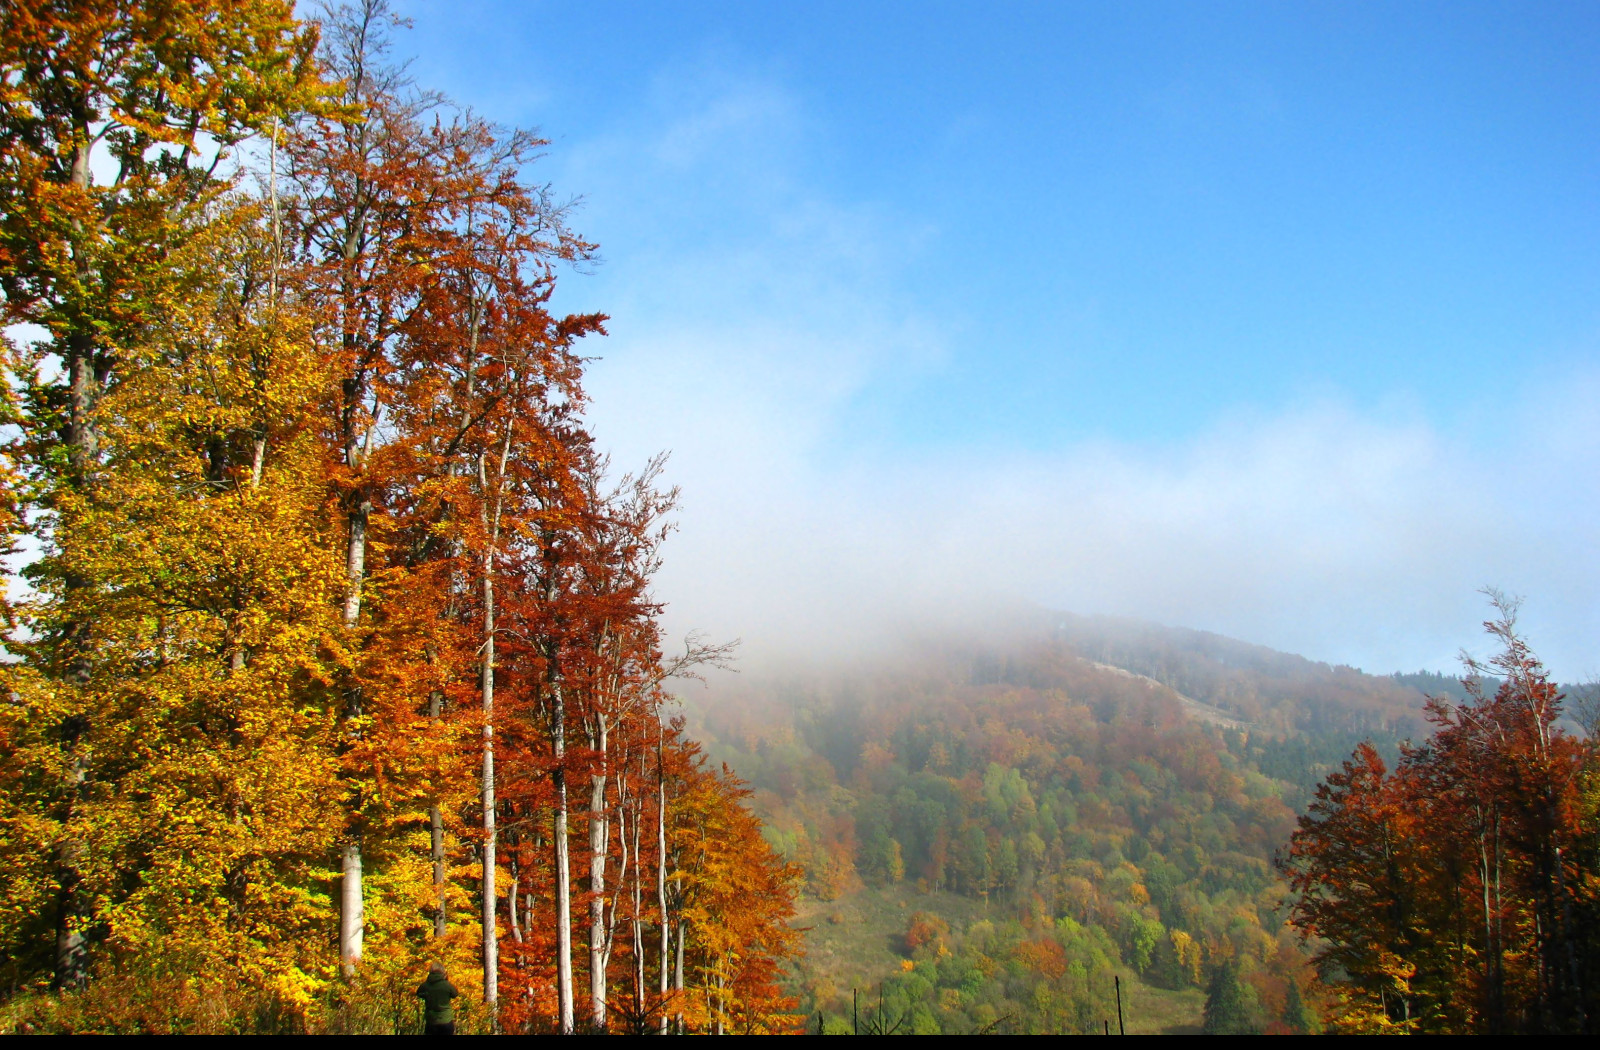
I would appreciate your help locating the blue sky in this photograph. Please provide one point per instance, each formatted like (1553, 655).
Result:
(1274, 319)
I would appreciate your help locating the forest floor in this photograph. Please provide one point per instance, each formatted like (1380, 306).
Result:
(858, 940)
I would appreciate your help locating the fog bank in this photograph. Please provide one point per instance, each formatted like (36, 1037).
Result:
(763, 332)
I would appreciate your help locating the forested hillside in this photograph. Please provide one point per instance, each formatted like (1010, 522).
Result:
(1040, 818)
(1270, 690)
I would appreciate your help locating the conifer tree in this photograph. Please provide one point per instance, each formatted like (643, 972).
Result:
(1230, 1004)
(1298, 1016)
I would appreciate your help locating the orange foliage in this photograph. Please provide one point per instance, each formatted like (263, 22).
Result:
(344, 654)
(1045, 958)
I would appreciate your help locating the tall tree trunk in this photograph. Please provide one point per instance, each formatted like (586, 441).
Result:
(677, 974)
(352, 911)
(599, 837)
(1489, 947)
(85, 375)
(352, 907)
(84, 378)
(1499, 925)
(563, 867)
(436, 836)
(71, 956)
(637, 807)
(511, 898)
(661, 872)
(356, 562)
(491, 943)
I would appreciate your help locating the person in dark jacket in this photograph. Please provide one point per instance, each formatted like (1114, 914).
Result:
(439, 1017)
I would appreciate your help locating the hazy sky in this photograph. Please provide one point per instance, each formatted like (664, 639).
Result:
(1279, 320)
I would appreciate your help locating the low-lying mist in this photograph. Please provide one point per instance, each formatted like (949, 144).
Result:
(1339, 535)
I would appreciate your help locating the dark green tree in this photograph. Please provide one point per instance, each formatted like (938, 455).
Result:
(1298, 1016)
(1231, 1007)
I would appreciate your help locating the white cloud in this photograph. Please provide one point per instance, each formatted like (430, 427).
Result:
(752, 312)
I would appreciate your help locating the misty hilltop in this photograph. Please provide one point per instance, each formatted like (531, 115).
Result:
(1115, 664)
(1261, 687)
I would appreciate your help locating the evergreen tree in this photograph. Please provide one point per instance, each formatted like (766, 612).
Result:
(1230, 1005)
(1298, 1016)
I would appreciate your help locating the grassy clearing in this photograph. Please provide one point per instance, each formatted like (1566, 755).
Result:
(1158, 1011)
(856, 941)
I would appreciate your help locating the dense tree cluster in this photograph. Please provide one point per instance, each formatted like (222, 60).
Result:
(337, 651)
(1459, 891)
(1096, 828)
(1000, 977)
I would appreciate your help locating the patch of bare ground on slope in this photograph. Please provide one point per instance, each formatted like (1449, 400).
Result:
(1195, 709)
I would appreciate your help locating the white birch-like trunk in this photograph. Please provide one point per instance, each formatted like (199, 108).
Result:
(637, 806)
(661, 874)
(352, 911)
(599, 835)
(677, 976)
(491, 511)
(491, 942)
(511, 901)
(563, 869)
(352, 907)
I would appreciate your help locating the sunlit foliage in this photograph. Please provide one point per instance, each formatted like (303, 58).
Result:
(338, 654)
(1457, 892)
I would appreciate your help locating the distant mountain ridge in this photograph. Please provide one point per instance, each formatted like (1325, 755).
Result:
(996, 825)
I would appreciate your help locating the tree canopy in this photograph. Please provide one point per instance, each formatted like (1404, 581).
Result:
(339, 652)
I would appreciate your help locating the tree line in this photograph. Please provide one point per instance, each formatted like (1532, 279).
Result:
(333, 648)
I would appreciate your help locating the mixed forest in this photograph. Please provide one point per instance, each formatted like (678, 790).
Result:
(334, 651)
(1097, 822)
(331, 652)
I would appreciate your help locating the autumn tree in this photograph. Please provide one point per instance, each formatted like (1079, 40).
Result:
(418, 247)
(337, 602)
(116, 120)
(1451, 893)
(362, 241)
(211, 596)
